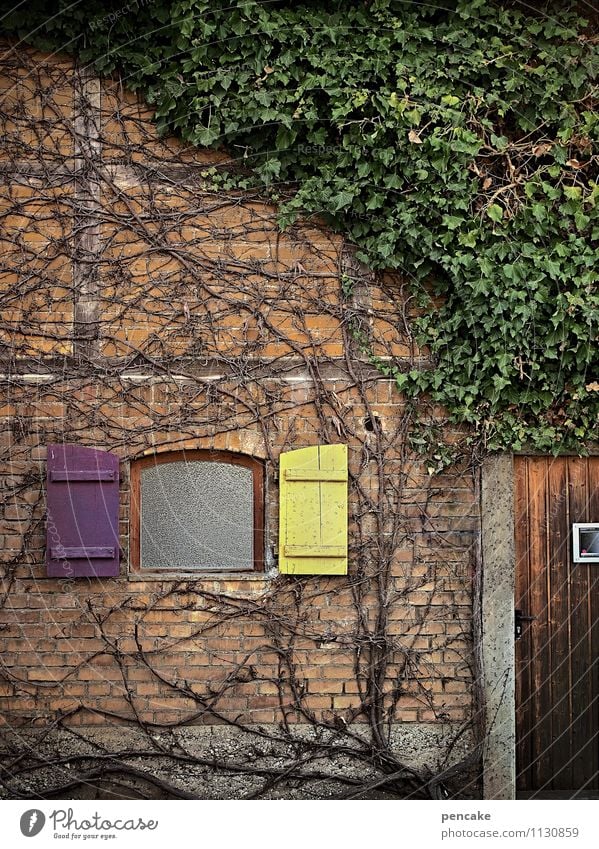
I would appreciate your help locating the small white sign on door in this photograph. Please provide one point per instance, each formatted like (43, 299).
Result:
(585, 542)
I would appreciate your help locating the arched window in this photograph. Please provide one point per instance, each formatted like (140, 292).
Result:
(197, 511)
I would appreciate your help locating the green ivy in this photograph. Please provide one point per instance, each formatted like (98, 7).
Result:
(454, 141)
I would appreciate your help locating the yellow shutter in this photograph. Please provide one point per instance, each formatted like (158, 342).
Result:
(313, 511)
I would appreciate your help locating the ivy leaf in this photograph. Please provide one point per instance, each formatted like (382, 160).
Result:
(452, 222)
(342, 200)
(285, 138)
(573, 192)
(495, 212)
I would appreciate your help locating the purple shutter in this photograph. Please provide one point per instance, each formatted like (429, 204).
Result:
(82, 531)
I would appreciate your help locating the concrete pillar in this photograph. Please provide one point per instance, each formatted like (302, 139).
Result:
(498, 579)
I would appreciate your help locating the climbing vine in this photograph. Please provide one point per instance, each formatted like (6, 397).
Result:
(455, 142)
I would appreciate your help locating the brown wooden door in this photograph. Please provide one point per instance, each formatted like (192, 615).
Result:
(557, 657)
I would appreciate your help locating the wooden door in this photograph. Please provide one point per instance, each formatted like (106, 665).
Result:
(557, 656)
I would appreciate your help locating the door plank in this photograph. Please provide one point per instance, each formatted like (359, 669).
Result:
(558, 570)
(581, 668)
(524, 688)
(539, 598)
(593, 607)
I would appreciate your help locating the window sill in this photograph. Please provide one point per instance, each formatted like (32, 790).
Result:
(174, 575)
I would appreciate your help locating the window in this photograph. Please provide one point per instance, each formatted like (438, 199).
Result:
(197, 511)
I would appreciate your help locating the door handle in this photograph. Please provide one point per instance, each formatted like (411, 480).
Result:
(519, 619)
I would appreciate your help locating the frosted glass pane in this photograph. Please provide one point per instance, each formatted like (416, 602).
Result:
(197, 515)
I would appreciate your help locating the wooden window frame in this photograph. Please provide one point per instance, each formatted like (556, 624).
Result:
(196, 455)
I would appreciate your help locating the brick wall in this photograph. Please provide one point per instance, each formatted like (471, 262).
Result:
(145, 310)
